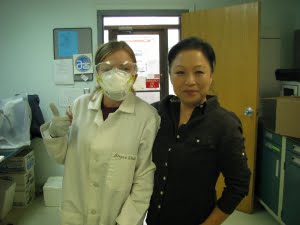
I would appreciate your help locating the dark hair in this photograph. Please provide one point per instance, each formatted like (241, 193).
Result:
(193, 43)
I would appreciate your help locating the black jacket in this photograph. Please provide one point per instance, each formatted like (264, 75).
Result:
(189, 160)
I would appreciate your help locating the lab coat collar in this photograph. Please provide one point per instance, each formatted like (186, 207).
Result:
(127, 105)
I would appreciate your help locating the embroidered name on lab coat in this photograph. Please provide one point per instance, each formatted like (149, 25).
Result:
(119, 157)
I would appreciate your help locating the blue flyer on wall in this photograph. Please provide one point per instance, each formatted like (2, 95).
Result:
(67, 43)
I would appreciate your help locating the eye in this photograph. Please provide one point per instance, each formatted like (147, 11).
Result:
(179, 72)
(199, 72)
(126, 69)
(104, 68)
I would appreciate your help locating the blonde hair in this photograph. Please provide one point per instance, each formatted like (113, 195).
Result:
(107, 49)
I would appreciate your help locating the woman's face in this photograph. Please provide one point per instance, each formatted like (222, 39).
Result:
(191, 76)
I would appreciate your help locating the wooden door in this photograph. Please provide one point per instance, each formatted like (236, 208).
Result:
(234, 34)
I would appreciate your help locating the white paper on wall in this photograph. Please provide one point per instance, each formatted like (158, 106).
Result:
(63, 71)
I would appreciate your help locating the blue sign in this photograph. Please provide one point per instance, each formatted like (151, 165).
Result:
(83, 63)
(67, 43)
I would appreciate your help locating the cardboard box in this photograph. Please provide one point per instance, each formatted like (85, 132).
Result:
(282, 115)
(53, 191)
(24, 198)
(7, 191)
(19, 177)
(24, 161)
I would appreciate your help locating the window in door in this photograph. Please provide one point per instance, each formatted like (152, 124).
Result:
(150, 38)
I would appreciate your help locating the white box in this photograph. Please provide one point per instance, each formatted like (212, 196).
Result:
(53, 191)
(7, 191)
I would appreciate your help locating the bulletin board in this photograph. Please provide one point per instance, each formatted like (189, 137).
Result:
(70, 41)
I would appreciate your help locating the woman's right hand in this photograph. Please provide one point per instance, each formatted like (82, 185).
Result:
(59, 125)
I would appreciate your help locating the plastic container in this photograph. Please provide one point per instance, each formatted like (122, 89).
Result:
(53, 191)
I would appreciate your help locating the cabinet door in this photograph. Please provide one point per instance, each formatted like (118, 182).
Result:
(291, 191)
(268, 183)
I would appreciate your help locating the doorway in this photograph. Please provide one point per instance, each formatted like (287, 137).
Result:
(150, 35)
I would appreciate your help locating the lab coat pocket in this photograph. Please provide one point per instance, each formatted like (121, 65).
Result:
(121, 171)
(71, 218)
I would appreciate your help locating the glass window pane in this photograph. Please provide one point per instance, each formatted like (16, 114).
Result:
(153, 20)
(105, 36)
(146, 49)
(173, 38)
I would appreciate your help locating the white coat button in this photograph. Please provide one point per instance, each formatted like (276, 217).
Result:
(198, 140)
(95, 184)
(159, 206)
(178, 136)
(166, 164)
(93, 211)
(243, 153)
(169, 149)
(161, 193)
(164, 178)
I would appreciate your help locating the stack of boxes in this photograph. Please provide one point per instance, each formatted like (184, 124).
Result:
(20, 169)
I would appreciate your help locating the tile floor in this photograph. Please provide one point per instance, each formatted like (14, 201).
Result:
(37, 214)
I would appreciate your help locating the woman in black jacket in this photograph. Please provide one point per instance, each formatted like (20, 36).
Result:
(197, 140)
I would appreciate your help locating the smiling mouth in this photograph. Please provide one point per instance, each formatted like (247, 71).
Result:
(190, 91)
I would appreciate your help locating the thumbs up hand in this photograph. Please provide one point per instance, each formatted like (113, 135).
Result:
(59, 125)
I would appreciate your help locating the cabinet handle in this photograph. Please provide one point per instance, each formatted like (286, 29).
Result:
(277, 168)
(296, 161)
(296, 149)
(269, 135)
(272, 147)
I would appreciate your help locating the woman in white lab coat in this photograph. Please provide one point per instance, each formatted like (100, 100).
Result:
(105, 143)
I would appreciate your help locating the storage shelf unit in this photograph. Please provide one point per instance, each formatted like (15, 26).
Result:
(278, 176)
(291, 191)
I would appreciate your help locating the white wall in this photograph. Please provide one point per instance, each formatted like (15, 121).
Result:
(280, 17)
(145, 4)
(26, 44)
(26, 53)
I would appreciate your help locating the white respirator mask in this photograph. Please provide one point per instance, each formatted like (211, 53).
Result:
(116, 84)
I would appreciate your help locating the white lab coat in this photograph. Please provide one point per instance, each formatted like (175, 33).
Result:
(108, 175)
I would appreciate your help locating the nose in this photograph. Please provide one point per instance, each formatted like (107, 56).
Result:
(190, 79)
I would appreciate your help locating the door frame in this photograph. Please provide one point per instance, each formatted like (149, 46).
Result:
(139, 13)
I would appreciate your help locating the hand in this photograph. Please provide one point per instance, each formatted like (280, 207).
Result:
(59, 125)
